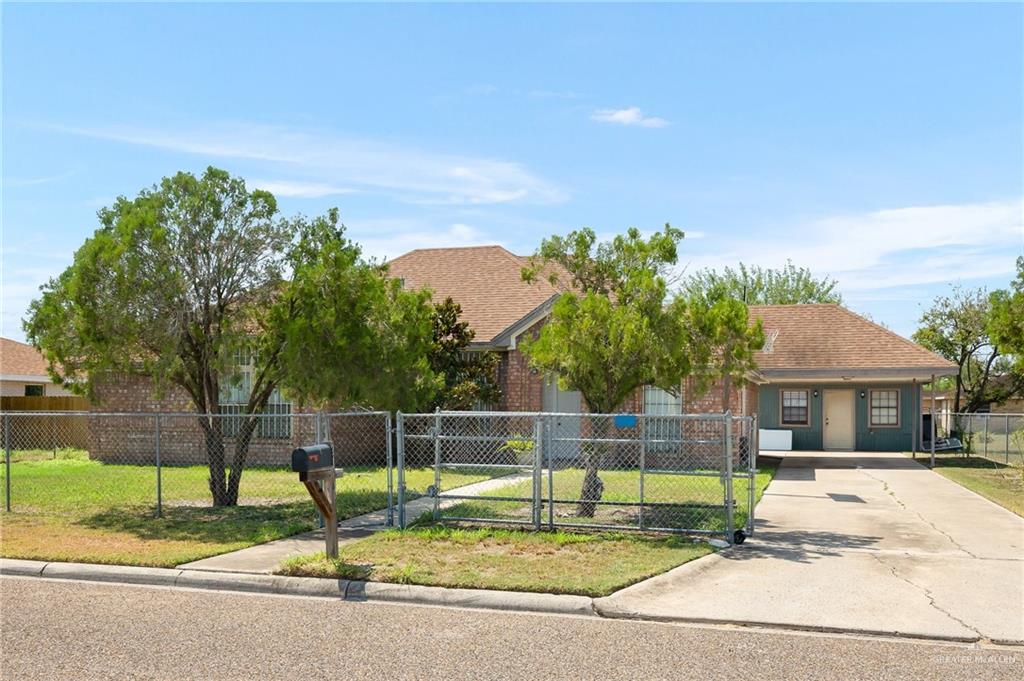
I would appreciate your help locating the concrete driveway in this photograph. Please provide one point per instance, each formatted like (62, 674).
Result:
(861, 542)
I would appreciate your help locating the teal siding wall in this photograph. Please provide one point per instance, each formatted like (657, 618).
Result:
(867, 439)
(805, 437)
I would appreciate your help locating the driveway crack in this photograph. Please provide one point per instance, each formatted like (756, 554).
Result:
(899, 502)
(927, 594)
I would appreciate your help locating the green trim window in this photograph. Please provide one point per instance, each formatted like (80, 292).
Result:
(35, 390)
(796, 408)
(885, 408)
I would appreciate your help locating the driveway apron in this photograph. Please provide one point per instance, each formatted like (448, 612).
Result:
(864, 542)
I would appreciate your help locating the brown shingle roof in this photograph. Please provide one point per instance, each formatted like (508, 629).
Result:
(832, 337)
(485, 280)
(19, 359)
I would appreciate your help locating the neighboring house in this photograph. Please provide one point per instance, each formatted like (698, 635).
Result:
(827, 375)
(23, 372)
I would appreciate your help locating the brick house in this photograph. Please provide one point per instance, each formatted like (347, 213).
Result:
(827, 378)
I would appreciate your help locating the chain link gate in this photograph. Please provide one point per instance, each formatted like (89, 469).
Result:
(686, 473)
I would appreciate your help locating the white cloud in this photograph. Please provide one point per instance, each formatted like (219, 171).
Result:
(407, 174)
(629, 116)
(887, 249)
(305, 190)
(389, 238)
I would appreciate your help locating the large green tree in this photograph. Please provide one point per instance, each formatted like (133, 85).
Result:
(957, 327)
(722, 324)
(614, 330)
(756, 285)
(1006, 321)
(181, 280)
(468, 377)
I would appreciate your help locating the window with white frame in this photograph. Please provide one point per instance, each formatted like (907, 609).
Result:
(660, 430)
(796, 408)
(885, 408)
(275, 421)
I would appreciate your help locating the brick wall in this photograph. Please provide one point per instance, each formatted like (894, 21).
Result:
(522, 388)
(359, 439)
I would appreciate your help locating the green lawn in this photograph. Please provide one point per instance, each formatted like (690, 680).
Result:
(70, 508)
(681, 501)
(994, 480)
(589, 564)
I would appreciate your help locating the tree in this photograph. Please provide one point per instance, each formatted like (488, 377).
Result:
(178, 281)
(957, 327)
(723, 327)
(755, 285)
(614, 330)
(348, 334)
(1006, 320)
(468, 377)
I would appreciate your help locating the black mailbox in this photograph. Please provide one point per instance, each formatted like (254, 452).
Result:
(312, 458)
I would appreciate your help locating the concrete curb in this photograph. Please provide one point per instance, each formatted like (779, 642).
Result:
(612, 612)
(355, 591)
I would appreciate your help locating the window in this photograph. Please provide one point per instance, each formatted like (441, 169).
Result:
(276, 423)
(885, 408)
(660, 430)
(796, 410)
(36, 390)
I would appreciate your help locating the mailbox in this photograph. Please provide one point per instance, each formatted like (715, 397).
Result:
(312, 458)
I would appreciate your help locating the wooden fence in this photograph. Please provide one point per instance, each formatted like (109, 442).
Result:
(50, 403)
(47, 431)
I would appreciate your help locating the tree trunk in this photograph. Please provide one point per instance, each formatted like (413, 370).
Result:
(241, 452)
(213, 429)
(593, 454)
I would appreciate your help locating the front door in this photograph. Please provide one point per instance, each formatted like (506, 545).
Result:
(565, 426)
(838, 419)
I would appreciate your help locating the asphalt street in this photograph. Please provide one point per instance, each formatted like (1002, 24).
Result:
(79, 630)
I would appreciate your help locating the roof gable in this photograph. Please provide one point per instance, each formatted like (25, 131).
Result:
(20, 359)
(485, 280)
(830, 337)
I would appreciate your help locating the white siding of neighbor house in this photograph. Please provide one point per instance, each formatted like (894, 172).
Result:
(17, 389)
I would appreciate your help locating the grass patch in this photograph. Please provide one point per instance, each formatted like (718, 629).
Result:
(71, 508)
(997, 482)
(588, 564)
(694, 502)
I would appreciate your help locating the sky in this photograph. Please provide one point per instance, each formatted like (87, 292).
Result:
(882, 145)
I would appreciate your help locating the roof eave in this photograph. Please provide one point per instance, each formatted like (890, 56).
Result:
(507, 338)
(845, 374)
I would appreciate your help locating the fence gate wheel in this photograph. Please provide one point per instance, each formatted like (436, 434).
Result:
(739, 536)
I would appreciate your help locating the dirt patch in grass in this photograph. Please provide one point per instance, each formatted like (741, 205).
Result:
(588, 564)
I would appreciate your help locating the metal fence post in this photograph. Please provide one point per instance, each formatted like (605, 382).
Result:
(400, 441)
(1006, 429)
(538, 465)
(753, 445)
(643, 469)
(986, 435)
(437, 464)
(730, 521)
(550, 449)
(159, 471)
(7, 460)
(388, 434)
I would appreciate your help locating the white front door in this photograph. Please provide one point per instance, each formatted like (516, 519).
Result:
(565, 428)
(838, 419)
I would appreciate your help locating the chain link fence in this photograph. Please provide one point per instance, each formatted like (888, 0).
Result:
(998, 437)
(693, 474)
(57, 462)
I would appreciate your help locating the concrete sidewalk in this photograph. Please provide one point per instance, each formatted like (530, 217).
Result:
(267, 558)
(873, 543)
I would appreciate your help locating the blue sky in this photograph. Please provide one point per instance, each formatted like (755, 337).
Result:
(878, 144)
